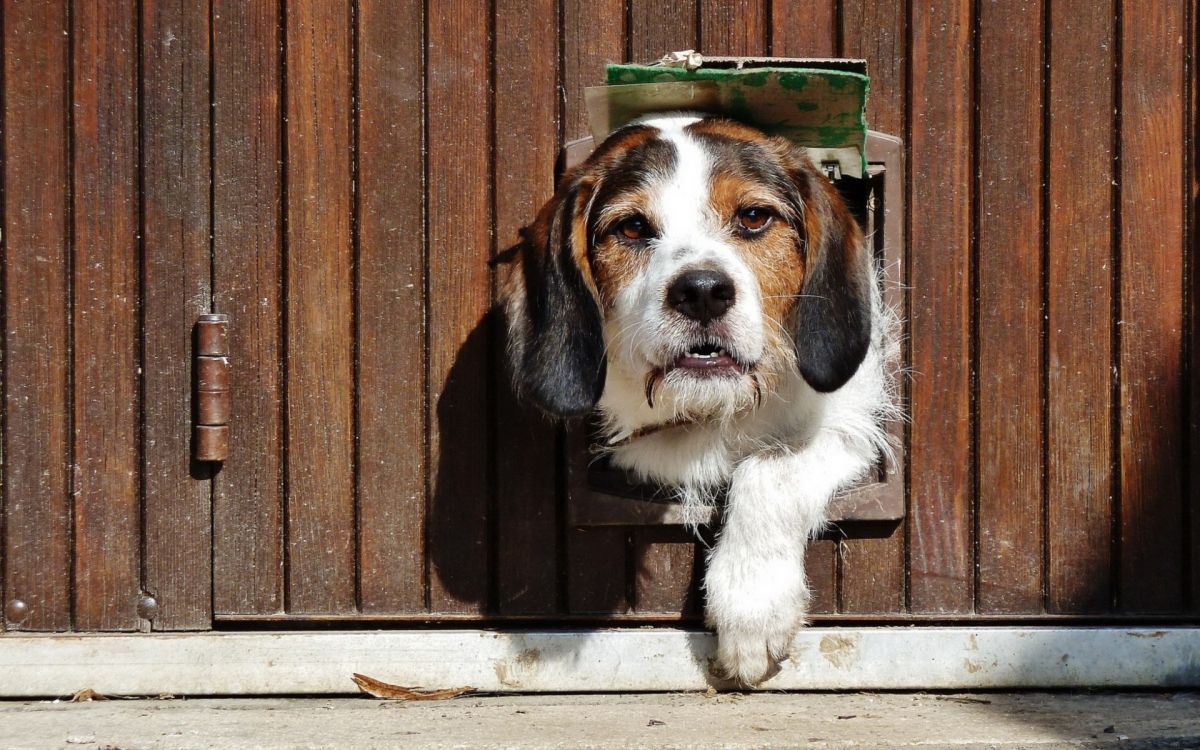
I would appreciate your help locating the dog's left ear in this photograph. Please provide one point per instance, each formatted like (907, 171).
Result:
(831, 321)
(555, 338)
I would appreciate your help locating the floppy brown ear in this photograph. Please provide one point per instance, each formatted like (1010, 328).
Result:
(831, 321)
(555, 338)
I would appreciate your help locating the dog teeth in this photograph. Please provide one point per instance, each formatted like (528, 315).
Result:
(713, 355)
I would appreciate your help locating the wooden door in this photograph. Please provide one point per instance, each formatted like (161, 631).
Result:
(335, 176)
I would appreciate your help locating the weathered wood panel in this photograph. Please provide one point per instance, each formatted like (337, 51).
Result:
(336, 177)
(459, 206)
(1191, 496)
(391, 307)
(734, 27)
(1079, 307)
(37, 352)
(176, 277)
(321, 521)
(1009, 388)
(1150, 323)
(247, 261)
(940, 458)
(106, 259)
(807, 28)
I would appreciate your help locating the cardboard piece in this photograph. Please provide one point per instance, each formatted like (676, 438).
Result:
(816, 103)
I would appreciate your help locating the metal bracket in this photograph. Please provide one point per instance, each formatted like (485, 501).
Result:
(210, 440)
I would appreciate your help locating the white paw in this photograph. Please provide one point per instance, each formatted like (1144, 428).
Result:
(748, 656)
(756, 608)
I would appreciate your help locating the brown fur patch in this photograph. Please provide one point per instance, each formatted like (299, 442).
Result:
(775, 255)
(615, 263)
(727, 129)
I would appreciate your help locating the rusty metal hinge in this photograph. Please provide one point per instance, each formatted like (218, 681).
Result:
(210, 441)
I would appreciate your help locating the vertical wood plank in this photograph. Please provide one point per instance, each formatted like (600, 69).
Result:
(36, 234)
(805, 28)
(1079, 306)
(391, 307)
(1010, 306)
(247, 245)
(527, 78)
(106, 356)
(666, 570)
(660, 26)
(872, 570)
(798, 30)
(734, 27)
(320, 296)
(664, 562)
(940, 248)
(176, 287)
(594, 34)
(1192, 292)
(821, 568)
(459, 206)
(1151, 322)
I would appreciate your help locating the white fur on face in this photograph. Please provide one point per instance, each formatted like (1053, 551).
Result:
(644, 334)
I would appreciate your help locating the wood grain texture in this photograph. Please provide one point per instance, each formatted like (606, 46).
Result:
(665, 579)
(177, 289)
(37, 436)
(461, 365)
(1079, 306)
(807, 28)
(247, 263)
(107, 351)
(940, 249)
(657, 27)
(733, 27)
(821, 568)
(320, 323)
(1191, 497)
(1010, 307)
(391, 307)
(596, 581)
(872, 569)
(1151, 315)
(527, 468)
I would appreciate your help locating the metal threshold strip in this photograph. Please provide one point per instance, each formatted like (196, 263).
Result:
(657, 659)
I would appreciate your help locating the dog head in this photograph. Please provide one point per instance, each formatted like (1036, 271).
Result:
(697, 256)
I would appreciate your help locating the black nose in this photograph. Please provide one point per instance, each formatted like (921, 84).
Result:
(701, 295)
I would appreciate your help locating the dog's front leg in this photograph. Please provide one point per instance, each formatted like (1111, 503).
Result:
(757, 595)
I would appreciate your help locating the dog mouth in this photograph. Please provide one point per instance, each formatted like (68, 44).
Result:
(708, 357)
(705, 360)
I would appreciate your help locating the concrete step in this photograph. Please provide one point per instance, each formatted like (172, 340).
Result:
(661, 720)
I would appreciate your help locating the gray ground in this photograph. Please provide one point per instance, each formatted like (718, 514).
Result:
(981, 720)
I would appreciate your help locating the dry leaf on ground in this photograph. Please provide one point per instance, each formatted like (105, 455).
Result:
(379, 689)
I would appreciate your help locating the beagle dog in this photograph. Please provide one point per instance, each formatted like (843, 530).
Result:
(703, 287)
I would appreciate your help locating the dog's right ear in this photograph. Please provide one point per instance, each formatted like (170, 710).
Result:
(555, 338)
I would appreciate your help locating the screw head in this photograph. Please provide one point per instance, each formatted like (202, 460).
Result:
(16, 611)
(147, 607)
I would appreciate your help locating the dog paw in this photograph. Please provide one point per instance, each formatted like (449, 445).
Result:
(756, 611)
(749, 657)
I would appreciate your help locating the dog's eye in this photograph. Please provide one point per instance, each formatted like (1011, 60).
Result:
(634, 228)
(754, 219)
